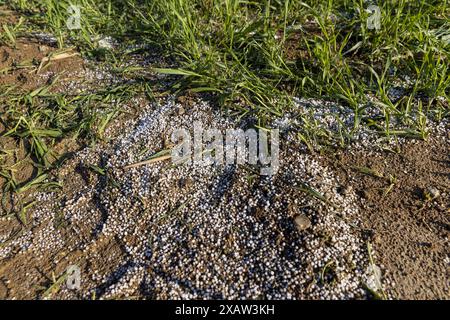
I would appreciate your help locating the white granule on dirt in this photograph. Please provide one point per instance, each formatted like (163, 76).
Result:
(188, 231)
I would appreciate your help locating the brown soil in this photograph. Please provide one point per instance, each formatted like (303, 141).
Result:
(21, 65)
(409, 231)
(7, 16)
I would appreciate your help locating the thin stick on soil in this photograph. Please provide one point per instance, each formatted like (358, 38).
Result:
(146, 162)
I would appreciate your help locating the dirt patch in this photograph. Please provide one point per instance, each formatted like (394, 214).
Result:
(23, 66)
(8, 16)
(405, 205)
(293, 50)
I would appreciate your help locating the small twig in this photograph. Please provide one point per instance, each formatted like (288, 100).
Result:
(150, 161)
(56, 57)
